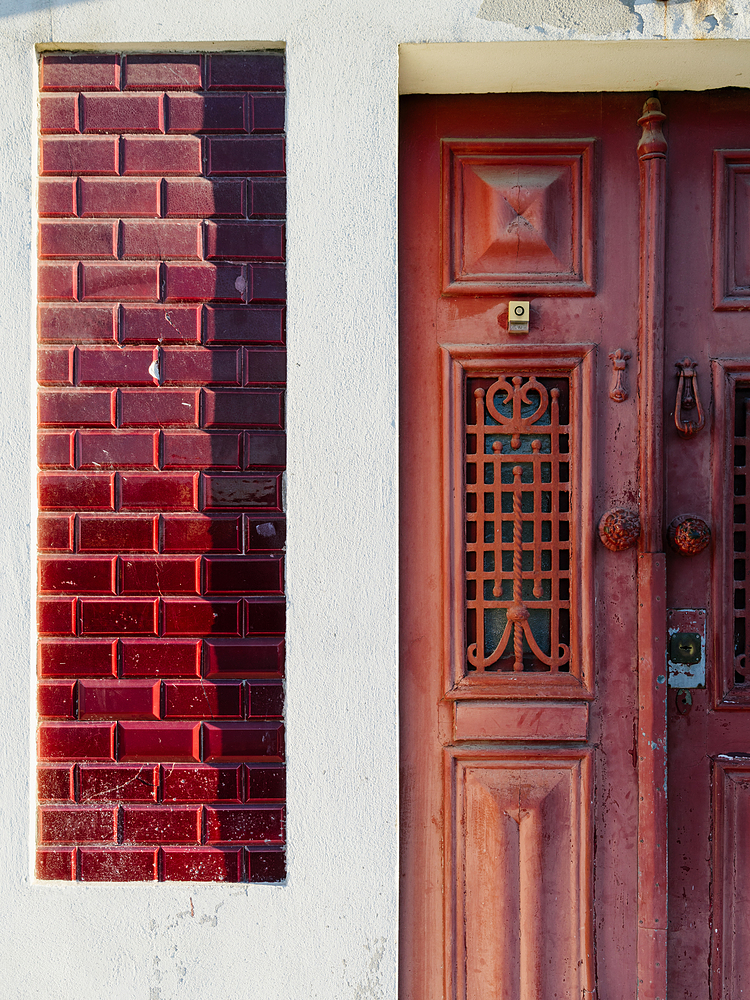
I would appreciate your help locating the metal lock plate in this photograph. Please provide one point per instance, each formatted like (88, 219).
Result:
(685, 647)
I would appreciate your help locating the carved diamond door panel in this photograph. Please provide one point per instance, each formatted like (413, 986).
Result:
(575, 564)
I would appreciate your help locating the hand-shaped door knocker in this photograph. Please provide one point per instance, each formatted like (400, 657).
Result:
(689, 417)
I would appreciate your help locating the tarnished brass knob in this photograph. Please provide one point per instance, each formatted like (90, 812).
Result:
(619, 529)
(688, 534)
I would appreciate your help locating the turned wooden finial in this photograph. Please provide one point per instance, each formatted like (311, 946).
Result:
(652, 142)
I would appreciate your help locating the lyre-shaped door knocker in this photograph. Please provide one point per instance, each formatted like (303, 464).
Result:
(689, 417)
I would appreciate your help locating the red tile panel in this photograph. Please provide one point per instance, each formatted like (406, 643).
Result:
(161, 369)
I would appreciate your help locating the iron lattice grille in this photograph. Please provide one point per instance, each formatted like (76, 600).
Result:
(739, 583)
(517, 489)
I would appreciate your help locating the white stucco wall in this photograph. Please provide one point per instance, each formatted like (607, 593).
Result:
(331, 931)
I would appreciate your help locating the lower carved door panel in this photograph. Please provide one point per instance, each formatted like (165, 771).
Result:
(573, 522)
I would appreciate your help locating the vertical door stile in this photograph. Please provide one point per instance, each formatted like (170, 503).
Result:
(652, 688)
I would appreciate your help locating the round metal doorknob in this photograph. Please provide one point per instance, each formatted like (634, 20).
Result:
(619, 529)
(688, 534)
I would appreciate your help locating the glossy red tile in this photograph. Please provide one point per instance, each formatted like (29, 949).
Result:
(267, 282)
(203, 700)
(201, 450)
(69, 824)
(76, 575)
(58, 113)
(75, 408)
(51, 864)
(115, 617)
(201, 534)
(183, 783)
(104, 366)
(161, 825)
(78, 239)
(118, 197)
(244, 824)
(201, 617)
(256, 154)
(92, 491)
(76, 741)
(142, 575)
(265, 616)
(220, 492)
(242, 408)
(263, 534)
(172, 155)
(163, 658)
(243, 240)
(77, 658)
(117, 534)
(122, 282)
(118, 865)
(56, 197)
(55, 783)
(77, 323)
(265, 700)
(243, 575)
(102, 450)
(242, 741)
(56, 616)
(161, 491)
(162, 72)
(161, 240)
(86, 71)
(56, 282)
(78, 155)
(55, 364)
(267, 196)
(265, 448)
(268, 112)
(56, 700)
(157, 324)
(205, 865)
(204, 282)
(244, 324)
(121, 783)
(198, 113)
(198, 365)
(266, 866)
(246, 70)
(55, 449)
(159, 741)
(55, 532)
(158, 408)
(264, 367)
(200, 198)
(244, 658)
(265, 783)
(120, 699)
(122, 113)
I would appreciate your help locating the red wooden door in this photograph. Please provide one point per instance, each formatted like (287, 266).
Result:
(541, 473)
